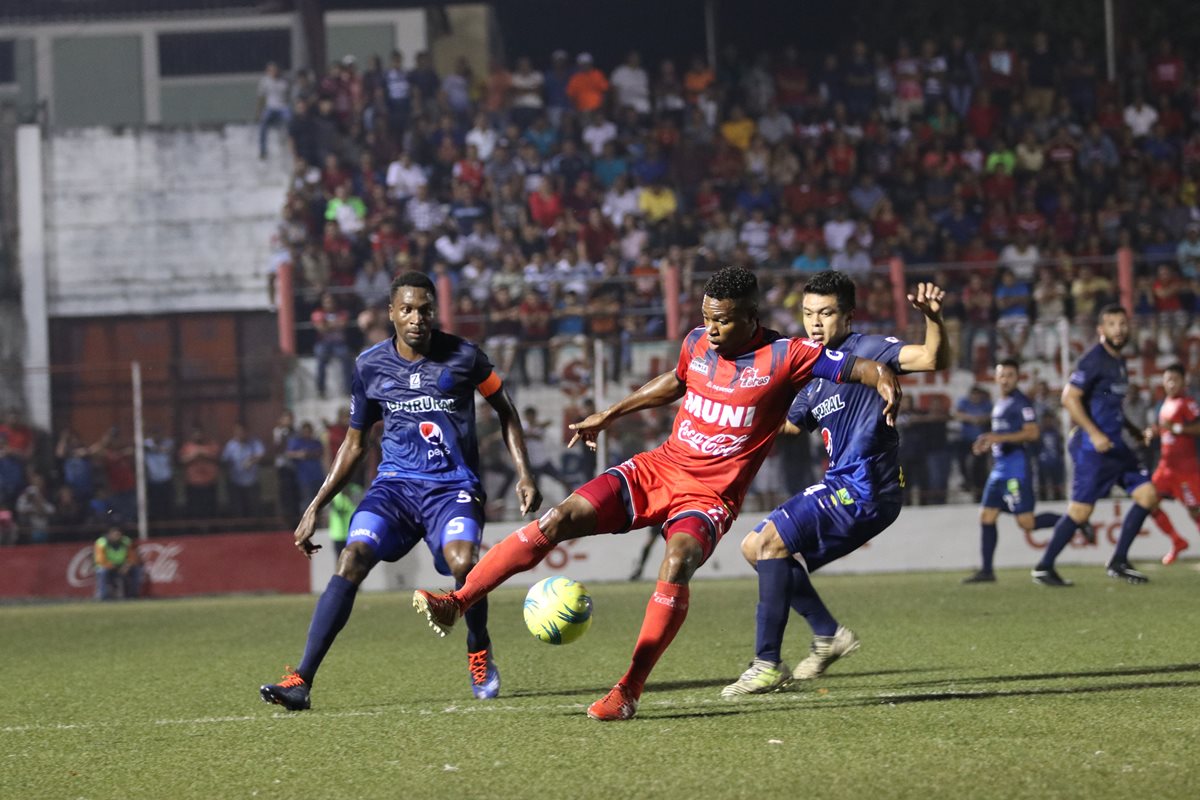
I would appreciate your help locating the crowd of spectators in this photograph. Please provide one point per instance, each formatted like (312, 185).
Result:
(553, 196)
(67, 488)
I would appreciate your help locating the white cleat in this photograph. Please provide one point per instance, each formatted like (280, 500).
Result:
(826, 650)
(761, 678)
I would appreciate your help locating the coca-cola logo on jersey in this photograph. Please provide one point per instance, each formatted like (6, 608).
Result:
(717, 444)
(159, 564)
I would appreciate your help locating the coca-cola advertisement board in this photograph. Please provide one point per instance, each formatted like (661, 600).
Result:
(171, 567)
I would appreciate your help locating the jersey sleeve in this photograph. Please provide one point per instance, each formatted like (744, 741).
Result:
(799, 412)
(685, 354)
(884, 349)
(483, 374)
(364, 412)
(1191, 411)
(1028, 412)
(1085, 375)
(811, 359)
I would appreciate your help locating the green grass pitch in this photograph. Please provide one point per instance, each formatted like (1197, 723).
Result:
(1001, 691)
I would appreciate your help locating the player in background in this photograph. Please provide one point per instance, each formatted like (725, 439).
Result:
(859, 496)
(1009, 486)
(736, 380)
(1177, 475)
(1093, 397)
(422, 384)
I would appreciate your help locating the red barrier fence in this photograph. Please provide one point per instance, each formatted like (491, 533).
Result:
(171, 567)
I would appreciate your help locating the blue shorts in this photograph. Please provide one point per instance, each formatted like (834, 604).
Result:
(1011, 494)
(827, 522)
(396, 514)
(1097, 473)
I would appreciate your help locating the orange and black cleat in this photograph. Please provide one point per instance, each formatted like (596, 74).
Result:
(291, 692)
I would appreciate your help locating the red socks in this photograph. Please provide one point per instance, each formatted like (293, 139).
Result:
(521, 550)
(665, 614)
(1164, 522)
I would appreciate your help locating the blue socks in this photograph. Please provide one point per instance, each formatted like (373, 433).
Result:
(774, 591)
(333, 609)
(1129, 531)
(807, 603)
(476, 619)
(1064, 529)
(987, 544)
(1045, 520)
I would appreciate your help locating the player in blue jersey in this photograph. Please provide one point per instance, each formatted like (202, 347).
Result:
(1093, 397)
(421, 383)
(1010, 485)
(859, 496)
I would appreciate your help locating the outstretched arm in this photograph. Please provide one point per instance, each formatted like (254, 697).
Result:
(348, 455)
(514, 439)
(660, 391)
(934, 354)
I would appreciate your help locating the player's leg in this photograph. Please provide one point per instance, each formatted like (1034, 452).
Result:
(690, 539)
(329, 617)
(1167, 488)
(1095, 475)
(1078, 513)
(765, 550)
(988, 536)
(524, 548)
(381, 528)
(1145, 500)
(455, 520)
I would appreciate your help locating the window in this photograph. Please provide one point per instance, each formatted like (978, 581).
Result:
(223, 52)
(8, 71)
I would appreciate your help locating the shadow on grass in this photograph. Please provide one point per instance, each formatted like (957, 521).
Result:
(991, 695)
(1166, 669)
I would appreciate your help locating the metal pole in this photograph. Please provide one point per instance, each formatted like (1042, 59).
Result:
(1064, 419)
(599, 392)
(710, 32)
(1110, 41)
(139, 449)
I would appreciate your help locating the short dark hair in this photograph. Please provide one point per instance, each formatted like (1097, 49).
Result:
(733, 283)
(1175, 367)
(838, 284)
(1113, 308)
(1009, 362)
(418, 280)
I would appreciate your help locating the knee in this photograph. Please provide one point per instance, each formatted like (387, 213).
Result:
(461, 559)
(683, 557)
(771, 544)
(355, 562)
(750, 548)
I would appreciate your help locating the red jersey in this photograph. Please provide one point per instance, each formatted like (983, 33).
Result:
(1178, 449)
(733, 407)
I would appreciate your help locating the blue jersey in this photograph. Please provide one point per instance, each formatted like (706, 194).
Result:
(1104, 382)
(1009, 415)
(863, 449)
(427, 407)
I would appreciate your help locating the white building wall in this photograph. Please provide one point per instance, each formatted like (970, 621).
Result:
(143, 221)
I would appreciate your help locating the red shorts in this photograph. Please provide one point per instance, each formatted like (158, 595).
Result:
(1177, 485)
(651, 490)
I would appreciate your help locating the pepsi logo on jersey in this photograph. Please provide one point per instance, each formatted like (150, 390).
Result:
(432, 433)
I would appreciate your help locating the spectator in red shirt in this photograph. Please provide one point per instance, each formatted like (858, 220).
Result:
(1166, 70)
(545, 205)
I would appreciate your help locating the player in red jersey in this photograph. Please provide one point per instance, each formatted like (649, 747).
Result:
(737, 380)
(1178, 473)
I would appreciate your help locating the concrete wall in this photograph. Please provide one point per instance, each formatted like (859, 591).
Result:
(98, 80)
(107, 73)
(143, 221)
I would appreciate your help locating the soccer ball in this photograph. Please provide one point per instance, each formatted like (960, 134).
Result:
(558, 610)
